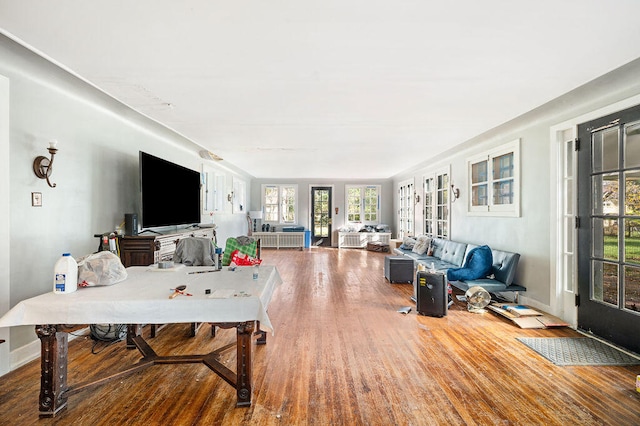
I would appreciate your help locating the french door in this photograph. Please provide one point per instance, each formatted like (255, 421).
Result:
(609, 227)
(321, 197)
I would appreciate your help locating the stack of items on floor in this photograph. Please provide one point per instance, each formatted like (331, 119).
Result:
(526, 317)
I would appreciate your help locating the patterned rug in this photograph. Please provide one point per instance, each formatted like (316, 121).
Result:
(578, 351)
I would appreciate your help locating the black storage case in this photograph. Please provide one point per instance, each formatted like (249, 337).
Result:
(432, 297)
(398, 269)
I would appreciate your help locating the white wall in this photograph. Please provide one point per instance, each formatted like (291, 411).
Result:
(96, 169)
(531, 234)
(387, 215)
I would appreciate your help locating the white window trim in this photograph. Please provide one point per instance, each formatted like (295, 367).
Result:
(409, 184)
(505, 210)
(346, 203)
(434, 204)
(280, 215)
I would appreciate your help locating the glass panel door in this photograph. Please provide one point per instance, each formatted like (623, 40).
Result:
(321, 216)
(609, 234)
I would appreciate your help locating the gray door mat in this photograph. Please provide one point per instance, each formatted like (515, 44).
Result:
(578, 351)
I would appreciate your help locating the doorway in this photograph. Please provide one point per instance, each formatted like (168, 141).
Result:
(321, 197)
(609, 227)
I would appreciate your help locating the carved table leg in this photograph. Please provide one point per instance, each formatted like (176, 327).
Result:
(53, 365)
(244, 363)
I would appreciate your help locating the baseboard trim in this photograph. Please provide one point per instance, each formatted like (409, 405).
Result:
(31, 351)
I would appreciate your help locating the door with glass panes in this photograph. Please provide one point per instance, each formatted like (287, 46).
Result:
(321, 215)
(609, 227)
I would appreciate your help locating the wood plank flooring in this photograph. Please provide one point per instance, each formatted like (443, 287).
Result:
(342, 355)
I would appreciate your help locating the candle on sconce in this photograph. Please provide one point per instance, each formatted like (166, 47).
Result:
(52, 144)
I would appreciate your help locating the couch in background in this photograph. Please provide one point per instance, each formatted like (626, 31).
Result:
(442, 255)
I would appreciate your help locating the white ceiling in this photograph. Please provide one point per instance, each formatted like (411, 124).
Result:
(334, 88)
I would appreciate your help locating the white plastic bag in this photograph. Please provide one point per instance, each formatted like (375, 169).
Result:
(101, 268)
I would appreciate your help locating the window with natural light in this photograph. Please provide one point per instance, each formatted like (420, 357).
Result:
(363, 204)
(494, 181)
(279, 203)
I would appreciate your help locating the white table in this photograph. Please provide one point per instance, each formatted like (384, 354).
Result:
(236, 300)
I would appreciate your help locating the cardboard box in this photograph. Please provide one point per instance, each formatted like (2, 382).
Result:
(530, 319)
(395, 243)
(378, 246)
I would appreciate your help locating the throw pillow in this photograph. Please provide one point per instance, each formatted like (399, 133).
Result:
(477, 265)
(408, 243)
(422, 244)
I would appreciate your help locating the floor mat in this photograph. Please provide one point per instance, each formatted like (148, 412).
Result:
(578, 351)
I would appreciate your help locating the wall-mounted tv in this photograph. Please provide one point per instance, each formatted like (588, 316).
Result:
(170, 193)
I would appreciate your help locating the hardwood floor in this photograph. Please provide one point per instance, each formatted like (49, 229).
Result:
(342, 355)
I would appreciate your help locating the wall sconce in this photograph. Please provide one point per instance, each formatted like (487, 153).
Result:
(230, 197)
(337, 209)
(456, 193)
(417, 197)
(43, 166)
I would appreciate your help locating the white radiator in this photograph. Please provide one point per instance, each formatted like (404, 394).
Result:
(360, 239)
(280, 239)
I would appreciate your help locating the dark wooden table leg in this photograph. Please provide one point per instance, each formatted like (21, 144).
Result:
(262, 335)
(53, 365)
(133, 330)
(244, 363)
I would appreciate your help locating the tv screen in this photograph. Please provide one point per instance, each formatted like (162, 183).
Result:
(170, 193)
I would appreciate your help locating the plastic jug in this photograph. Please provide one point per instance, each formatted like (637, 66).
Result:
(65, 275)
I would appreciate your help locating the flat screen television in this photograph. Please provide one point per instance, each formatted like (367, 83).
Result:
(170, 193)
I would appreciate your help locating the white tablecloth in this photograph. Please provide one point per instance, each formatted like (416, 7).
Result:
(143, 298)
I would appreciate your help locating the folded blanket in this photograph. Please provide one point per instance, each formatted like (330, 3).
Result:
(477, 265)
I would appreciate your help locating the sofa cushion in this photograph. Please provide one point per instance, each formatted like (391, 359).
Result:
(422, 244)
(477, 264)
(453, 252)
(504, 265)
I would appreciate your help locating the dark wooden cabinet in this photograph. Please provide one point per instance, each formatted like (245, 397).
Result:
(145, 250)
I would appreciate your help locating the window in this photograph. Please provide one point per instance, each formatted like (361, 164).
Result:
(429, 206)
(279, 203)
(213, 191)
(406, 203)
(436, 189)
(494, 181)
(363, 204)
(239, 196)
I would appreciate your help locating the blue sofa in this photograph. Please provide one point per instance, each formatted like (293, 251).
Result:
(451, 254)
